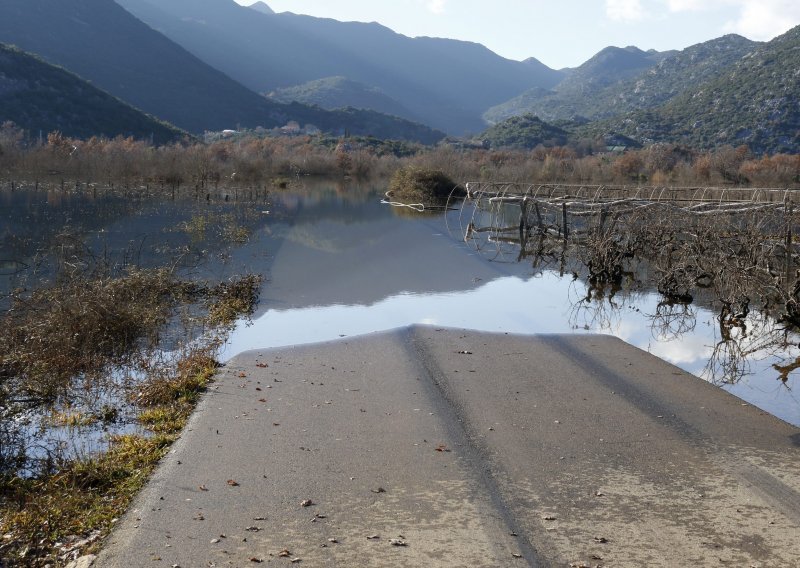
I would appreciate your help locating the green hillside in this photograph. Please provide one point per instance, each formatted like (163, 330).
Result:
(524, 132)
(340, 92)
(39, 97)
(753, 102)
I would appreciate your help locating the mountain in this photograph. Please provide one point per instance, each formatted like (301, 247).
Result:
(105, 44)
(447, 83)
(607, 67)
(753, 101)
(624, 89)
(524, 132)
(261, 7)
(575, 94)
(339, 92)
(40, 97)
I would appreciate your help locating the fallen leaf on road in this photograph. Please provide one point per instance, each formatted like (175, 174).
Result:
(601, 539)
(373, 537)
(257, 560)
(203, 488)
(284, 553)
(379, 490)
(306, 503)
(242, 374)
(233, 483)
(262, 365)
(397, 542)
(253, 529)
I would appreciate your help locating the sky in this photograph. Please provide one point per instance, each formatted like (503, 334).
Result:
(563, 33)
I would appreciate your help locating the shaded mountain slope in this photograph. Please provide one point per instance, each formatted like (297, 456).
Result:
(339, 92)
(40, 97)
(447, 83)
(105, 44)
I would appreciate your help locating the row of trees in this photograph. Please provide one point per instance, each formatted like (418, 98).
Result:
(255, 160)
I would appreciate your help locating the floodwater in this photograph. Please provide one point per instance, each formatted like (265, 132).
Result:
(338, 263)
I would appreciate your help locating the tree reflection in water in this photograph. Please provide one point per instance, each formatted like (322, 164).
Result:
(700, 249)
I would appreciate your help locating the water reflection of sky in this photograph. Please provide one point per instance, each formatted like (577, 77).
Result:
(329, 279)
(338, 263)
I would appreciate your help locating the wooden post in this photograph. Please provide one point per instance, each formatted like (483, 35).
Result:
(564, 220)
(789, 223)
(523, 224)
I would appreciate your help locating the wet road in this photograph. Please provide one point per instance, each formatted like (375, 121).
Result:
(440, 447)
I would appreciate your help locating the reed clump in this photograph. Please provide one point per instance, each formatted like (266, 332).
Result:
(420, 185)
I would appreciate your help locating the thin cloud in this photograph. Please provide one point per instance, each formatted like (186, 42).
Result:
(765, 19)
(437, 6)
(625, 10)
(756, 19)
(688, 5)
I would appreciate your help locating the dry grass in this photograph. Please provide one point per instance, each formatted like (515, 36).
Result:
(414, 185)
(70, 335)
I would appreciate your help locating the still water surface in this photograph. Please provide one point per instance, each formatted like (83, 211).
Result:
(339, 263)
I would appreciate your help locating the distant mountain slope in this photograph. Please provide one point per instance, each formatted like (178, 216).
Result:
(339, 92)
(524, 132)
(261, 7)
(447, 83)
(753, 102)
(607, 67)
(102, 42)
(594, 94)
(575, 94)
(40, 97)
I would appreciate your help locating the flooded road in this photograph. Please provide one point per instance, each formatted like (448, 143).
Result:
(339, 263)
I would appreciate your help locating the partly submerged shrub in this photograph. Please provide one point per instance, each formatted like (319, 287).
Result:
(414, 185)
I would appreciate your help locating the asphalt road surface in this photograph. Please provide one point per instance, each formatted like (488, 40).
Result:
(440, 447)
